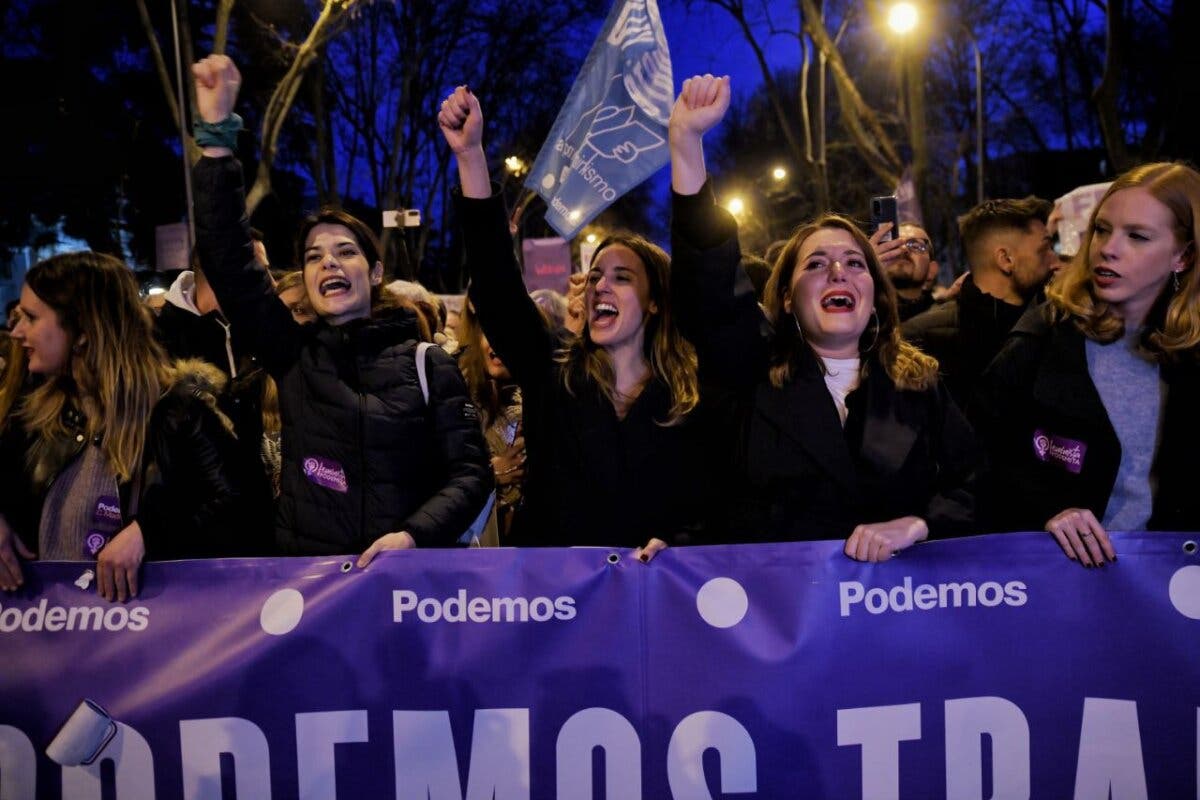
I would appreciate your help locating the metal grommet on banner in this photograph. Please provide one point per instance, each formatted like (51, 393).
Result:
(1190, 547)
(614, 558)
(347, 566)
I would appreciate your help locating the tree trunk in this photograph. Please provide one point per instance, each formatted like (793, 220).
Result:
(861, 122)
(1105, 96)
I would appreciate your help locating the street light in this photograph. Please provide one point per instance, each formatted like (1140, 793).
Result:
(736, 206)
(514, 165)
(779, 173)
(591, 238)
(902, 19)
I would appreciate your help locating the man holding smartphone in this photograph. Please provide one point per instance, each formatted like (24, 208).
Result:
(907, 259)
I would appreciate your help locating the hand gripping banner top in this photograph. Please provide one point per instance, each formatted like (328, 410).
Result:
(611, 134)
(988, 667)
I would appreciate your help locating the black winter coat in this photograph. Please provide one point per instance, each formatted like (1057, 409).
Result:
(799, 474)
(190, 503)
(963, 334)
(591, 478)
(363, 454)
(1039, 386)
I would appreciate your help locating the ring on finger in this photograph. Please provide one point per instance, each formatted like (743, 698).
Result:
(1085, 535)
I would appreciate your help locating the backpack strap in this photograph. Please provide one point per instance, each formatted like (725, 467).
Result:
(422, 378)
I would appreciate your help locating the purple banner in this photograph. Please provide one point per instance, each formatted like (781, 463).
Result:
(983, 667)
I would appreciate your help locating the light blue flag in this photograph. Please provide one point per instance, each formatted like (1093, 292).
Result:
(611, 134)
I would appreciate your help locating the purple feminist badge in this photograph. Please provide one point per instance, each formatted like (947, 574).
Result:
(1052, 449)
(326, 472)
(93, 543)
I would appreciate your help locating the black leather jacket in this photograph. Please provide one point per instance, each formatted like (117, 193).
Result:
(189, 497)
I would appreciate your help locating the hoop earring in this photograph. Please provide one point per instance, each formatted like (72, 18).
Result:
(875, 338)
(1175, 281)
(799, 330)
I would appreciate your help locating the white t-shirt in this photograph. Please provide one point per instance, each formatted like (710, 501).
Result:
(841, 378)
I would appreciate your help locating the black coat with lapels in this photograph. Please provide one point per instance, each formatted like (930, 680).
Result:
(800, 474)
(1051, 445)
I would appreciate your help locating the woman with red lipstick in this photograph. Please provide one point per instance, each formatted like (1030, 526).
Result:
(1089, 411)
(610, 417)
(846, 431)
(380, 451)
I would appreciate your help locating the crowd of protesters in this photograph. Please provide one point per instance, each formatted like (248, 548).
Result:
(710, 396)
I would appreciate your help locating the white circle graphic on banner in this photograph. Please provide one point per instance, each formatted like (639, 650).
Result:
(282, 611)
(1184, 590)
(722, 602)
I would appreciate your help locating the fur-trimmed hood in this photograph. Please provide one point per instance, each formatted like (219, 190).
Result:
(192, 377)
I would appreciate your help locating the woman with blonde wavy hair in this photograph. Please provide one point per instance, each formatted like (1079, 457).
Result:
(122, 456)
(845, 428)
(1089, 411)
(611, 419)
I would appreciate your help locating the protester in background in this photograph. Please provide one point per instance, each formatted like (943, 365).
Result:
(615, 454)
(429, 308)
(498, 398)
(370, 461)
(290, 289)
(907, 260)
(573, 322)
(846, 430)
(12, 375)
(123, 457)
(552, 304)
(192, 326)
(1010, 257)
(759, 272)
(1089, 410)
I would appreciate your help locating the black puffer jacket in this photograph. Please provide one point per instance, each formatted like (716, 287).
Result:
(363, 454)
(190, 501)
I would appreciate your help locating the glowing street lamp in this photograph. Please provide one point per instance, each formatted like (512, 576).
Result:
(902, 17)
(779, 173)
(514, 165)
(591, 238)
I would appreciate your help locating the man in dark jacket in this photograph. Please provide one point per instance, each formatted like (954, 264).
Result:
(191, 326)
(1010, 255)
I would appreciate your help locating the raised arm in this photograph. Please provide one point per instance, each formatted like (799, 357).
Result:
(242, 286)
(701, 104)
(510, 319)
(713, 297)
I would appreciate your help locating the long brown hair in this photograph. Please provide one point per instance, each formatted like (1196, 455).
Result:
(1173, 326)
(116, 370)
(672, 358)
(907, 366)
